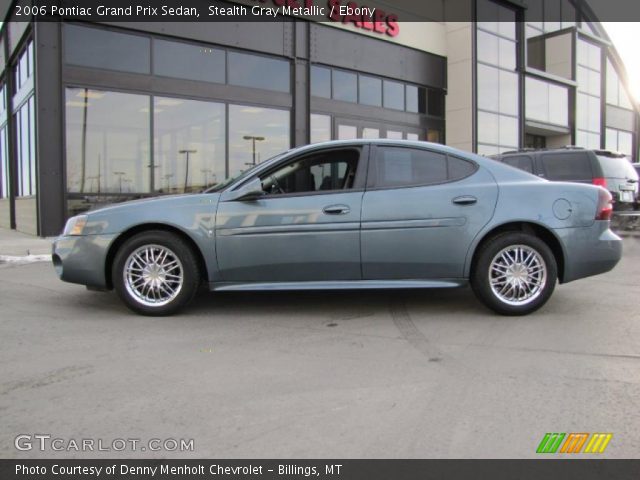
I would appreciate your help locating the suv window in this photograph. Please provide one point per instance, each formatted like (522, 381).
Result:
(567, 166)
(520, 161)
(616, 167)
(401, 167)
(326, 171)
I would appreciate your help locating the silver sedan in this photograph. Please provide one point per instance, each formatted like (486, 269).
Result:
(349, 214)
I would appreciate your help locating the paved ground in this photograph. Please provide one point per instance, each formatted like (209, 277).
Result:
(377, 374)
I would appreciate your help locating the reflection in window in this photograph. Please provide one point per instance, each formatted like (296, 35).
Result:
(256, 71)
(107, 143)
(256, 134)
(345, 86)
(320, 82)
(320, 128)
(370, 89)
(95, 47)
(193, 62)
(393, 95)
(189, 144)
(25, 148)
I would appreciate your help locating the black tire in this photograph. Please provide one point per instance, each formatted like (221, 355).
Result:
(169, 293)
(535, 288)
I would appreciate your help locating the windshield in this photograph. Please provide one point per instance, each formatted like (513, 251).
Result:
(224, 184)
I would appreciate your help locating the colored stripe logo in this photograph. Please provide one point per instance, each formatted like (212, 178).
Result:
(574, 442)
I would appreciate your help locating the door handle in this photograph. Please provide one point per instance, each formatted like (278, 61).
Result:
(465, 200)
(336, 209)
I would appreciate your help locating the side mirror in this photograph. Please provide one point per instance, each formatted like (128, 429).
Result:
(249, 191)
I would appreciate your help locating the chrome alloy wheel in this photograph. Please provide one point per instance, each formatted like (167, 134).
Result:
(153, 275)
(517, 275)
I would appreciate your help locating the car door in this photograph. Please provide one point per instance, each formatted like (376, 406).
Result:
(420, 213)
(306, 227)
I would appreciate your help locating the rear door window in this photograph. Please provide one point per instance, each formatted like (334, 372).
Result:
(573, 167)
(522, 162)
(405, 167)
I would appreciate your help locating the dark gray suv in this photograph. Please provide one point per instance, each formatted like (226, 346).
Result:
(610, 170)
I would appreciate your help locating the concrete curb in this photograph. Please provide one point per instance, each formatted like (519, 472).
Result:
(15, 259)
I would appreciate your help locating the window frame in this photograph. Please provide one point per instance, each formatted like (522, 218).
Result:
(372, 176)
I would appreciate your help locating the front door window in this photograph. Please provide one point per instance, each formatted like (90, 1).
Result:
(333, 170)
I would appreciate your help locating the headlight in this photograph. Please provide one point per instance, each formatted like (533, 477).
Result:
(75, 225)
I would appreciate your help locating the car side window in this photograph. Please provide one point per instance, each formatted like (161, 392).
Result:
(567, 166)
(404, 167)
(326, 171)
(522, 162)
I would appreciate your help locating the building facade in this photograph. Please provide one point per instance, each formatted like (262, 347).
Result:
(92, 114)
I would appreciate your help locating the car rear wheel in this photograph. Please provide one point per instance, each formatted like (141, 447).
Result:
(155, 273)
(515, 273)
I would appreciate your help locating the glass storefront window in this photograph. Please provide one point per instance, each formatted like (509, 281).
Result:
(320, 81)
(546, 102)
(256, 71)
(107, 142)
(193, 62)
(589, 80)
(256, 134)
(347, 132)
(415, 98)
(99, 48)
(370, 90)
(189, 145)
(393, 96)
(345, 86)
(619, 141)
(320, 128)
(497, 82)
(370, 133)
(4, 164)
(616, 91)
(25, 148)
(497, 129)
(588, 114)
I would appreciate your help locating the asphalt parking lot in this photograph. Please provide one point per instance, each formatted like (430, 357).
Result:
(401, 374)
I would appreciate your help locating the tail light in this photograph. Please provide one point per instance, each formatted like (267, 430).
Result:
(605, 205)
(600, 181)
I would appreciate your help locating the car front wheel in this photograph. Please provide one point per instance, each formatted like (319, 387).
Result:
(155, 273)
(515, 273)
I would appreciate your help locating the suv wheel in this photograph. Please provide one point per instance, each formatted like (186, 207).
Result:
(515, 273)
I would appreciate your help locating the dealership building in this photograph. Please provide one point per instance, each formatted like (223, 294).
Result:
(94, 113)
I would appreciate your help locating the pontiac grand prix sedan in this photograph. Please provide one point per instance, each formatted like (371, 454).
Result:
(349, 214)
